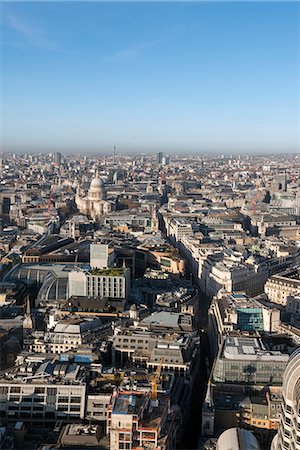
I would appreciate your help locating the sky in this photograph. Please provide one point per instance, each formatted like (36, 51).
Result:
(150, 76)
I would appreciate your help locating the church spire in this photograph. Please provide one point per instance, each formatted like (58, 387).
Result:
(27, 307)
(27, 322)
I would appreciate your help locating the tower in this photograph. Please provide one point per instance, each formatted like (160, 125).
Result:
(114, 154)
(287, 436)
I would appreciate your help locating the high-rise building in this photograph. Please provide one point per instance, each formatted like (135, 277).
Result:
(57, 158)
(160, 156)
(237, 439)
(165, 160)
(288, 436)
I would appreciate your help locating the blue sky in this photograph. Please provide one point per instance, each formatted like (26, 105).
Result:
(176, 77)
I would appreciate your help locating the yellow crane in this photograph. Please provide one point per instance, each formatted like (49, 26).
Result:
(119, 377)
(155, 380)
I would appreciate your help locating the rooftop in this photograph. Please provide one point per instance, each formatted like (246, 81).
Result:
(249, 348)
(109, 272)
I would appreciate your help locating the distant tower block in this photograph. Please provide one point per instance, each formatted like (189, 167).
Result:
(114, 154)
(279, 184)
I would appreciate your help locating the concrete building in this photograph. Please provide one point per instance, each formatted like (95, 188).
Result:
(283, 285)
(164, 347)
(137, 421)
(101, 256)
(243, 370)
(46, 391)
(237, 439)
(67, 334)
(78, 436)
(112, 283)
(238, 312)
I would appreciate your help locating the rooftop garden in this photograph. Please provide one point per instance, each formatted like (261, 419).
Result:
(109, 272)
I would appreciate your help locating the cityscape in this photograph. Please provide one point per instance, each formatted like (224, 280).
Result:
(149, 302)
(149, 226)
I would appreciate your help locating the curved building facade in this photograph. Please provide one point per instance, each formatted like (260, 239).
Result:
(237, 439)
(288, 436)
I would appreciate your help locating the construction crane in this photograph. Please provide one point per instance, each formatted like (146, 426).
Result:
(155, 381)
(118, 377)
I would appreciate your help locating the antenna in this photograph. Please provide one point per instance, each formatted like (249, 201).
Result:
(114, 153)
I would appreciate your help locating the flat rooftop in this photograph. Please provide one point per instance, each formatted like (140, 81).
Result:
(127, 404)
(241, 348)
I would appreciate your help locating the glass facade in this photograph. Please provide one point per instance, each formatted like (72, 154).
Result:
(249, 371)
(250, 319)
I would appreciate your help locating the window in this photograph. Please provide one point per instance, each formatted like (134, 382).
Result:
(38, 408)
(63, 400)
(15, 389)
(51, 391)
(75, 408)
(39, 390)
(126, 437)
(76, 400)
(62, 408)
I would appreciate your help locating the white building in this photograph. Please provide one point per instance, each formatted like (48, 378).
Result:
(282, 286)
(66, 335)
(101, 256)
(94, 204)
(53, 391)
(237, 439)
(113, 283)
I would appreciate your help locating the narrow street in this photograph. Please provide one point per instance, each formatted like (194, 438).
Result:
(193, 430)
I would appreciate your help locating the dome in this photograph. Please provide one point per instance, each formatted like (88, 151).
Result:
(96, 183)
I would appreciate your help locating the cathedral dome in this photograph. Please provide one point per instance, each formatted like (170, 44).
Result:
(97, 183)
(97, 190)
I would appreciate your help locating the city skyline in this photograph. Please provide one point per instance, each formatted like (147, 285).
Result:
(172, 77)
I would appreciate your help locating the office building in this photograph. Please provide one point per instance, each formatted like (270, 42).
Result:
(288, 436)
(111, 283)
(237, 439)
(45, 391)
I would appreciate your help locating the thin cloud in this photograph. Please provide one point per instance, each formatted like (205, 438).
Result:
(20, 26)
(131, 52)
(32, 36)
